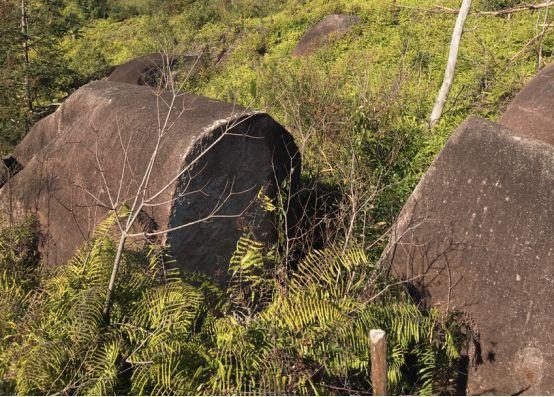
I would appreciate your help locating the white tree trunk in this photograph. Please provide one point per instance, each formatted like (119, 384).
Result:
(115, 268)
(451, 65)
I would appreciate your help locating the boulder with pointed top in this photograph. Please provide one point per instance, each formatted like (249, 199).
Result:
(332, 27)
(476, 236)
(532, 110)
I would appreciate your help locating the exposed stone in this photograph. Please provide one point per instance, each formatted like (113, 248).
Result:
(145, 70)
(87, 136)
(532, 111)
(476, 235)
(332, 27)
(40, 135)
(149, 69)
(10, 166)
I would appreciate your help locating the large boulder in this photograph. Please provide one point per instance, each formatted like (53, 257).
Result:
(332, 27)
(142, 70)
(214, 160)
(532, 110)
(146, 70)
(150, 69)
(476, 236)
(40, 135)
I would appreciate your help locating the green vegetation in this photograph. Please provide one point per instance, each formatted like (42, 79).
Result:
(358, 109)
(362, 101)
(170, 333)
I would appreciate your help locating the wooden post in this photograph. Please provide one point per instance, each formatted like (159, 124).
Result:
(378, 340)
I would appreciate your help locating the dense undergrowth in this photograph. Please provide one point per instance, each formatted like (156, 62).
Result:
(358, 109)
(268, 332)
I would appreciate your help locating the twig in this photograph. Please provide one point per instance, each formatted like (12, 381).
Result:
(543, 32)
(446, 10)
(522, 50)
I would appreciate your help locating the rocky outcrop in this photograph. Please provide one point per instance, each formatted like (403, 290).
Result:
(146, 70)
(98, 144)
(149, 69)
(476, 236)
(143, 70)
(8, 169)
(531, 113)
(332, 27)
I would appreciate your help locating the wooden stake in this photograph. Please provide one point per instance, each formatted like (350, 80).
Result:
(378, 340)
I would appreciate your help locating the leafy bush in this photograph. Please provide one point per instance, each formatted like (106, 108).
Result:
(123, 9)
(305, 332)
(92, 8)
(495, 5)
(19, 272)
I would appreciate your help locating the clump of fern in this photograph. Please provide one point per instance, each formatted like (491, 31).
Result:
(266, 332)
(19, 271)
(312, 337)
(61, 343)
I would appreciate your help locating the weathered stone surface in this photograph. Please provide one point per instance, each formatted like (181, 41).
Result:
(90, 131)
(8, 169)
(476, 235)
(531, 113)
(140, 71)
(148, 69)
(40, 135)
(332, 27)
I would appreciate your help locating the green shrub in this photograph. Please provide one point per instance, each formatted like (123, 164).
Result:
(495, 5)
(123, 9)
(170, 333)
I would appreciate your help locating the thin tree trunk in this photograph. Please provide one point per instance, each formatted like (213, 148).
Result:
(25, 37)
(117, 262)
(451, 64)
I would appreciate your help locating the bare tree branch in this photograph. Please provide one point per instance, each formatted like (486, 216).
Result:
(446, 10)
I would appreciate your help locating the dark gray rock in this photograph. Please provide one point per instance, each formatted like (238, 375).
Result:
(332, 27)
(146, 70)
(477, 235)
(149, 69)
(142, 70)
(531, 113)
(89, 133)
(9, 168)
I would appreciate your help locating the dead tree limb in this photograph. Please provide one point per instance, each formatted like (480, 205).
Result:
(451, 64)
(506, 11)
(25, 45)
(447, 10)
(527, 45)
